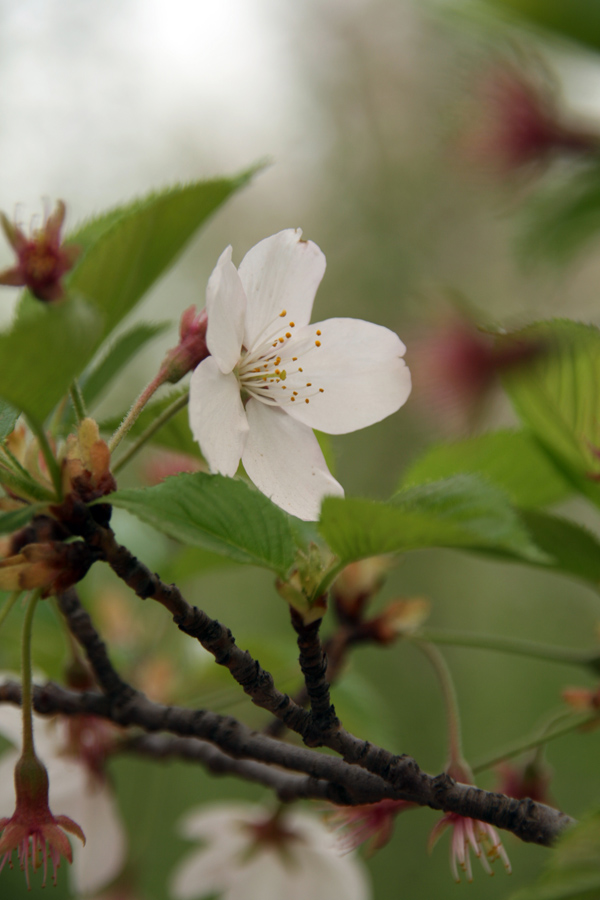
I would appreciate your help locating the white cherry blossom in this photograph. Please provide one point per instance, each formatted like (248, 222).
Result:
(272, 377)
(249, 854)
(73, 792)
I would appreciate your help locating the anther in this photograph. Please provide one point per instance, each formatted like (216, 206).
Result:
(282, 314)
(317, 343)
(318, 332)
(307, 400)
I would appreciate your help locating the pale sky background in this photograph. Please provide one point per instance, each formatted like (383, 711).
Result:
(103, 100)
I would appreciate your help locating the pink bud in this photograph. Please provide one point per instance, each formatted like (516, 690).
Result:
(191, 349)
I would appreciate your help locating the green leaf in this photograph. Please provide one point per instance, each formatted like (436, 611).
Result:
(573, 549)
(557, 395)
(8, 420)
(174, 435)
(462, 512)
(218, 514)
(192, 562)
(119, 354)
(559, 221)
(125, 251)
(573, 869)
(510, 459)
(16, 518)
(46, 348)
(129, 249)
(577, 20)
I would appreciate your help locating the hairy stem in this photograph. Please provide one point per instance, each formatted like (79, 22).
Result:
(502, 644)
(575, 723)
(440, 666)
(49, 458)
(135, 410)
(77, 401)
(151, 430)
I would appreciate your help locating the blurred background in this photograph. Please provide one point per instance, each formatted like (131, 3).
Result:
(376, 119)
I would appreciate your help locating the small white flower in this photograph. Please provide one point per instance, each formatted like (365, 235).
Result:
(75, 794)
(253, 855)
(271, 377)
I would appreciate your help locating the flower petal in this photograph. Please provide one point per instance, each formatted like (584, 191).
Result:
(283, 459)
(11, 723)
(282, 272)
(326, 874)
(217, 417)
(210, 822)
(226, 310)
(205, 872)
(355, 376)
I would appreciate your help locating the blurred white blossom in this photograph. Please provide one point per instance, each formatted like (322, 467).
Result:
(251, 854)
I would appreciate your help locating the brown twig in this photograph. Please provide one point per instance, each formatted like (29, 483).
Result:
(313, 663)
(213, 636)
(287, 785)
(400, 776)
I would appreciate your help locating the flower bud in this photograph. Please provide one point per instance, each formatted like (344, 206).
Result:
(191, 349)
(531, 780)
(52, 566)
(457, 367)
(86, 467)
(399, 618)
(42, 260)
(520, 125)
(357, 584)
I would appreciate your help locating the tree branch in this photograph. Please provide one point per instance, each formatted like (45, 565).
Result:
(287, 786)
(400, 779)
(313, 662)
(213, 636)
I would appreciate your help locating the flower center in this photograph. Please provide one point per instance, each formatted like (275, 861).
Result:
(276, 370)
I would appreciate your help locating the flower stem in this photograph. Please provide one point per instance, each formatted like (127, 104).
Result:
(26, 676)
(536, 740)
(8, 606)
(78, 401)
(49, 458)
(135, 410)
(151, 430)
(450, 701)
(501, 644)
(9, 460)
